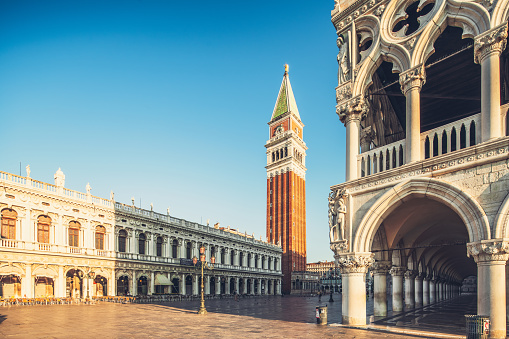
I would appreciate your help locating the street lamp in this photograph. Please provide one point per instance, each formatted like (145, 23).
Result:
(203, 264)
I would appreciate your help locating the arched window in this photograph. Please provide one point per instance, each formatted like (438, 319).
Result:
(273, 157)
(100, 231)
(223, 256)
(286, 152)
(241, 259)
(141, 243)
(426, 148)
(249, 260)
(159, 247)
(435, 145)
(463, 137)
(232, 257)
(472, 133)
(43, 225)
(189, 250)
(122, 240)
(9, 217)
(256, 261)
(453, 139)
(174, 248)
(444, 142)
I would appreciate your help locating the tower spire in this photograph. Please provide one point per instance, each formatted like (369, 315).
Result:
(285, 102)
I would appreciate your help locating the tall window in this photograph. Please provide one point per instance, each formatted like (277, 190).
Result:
(188, 250)
(9, 218)
(232, 257)
(99, 237)
(74, 234)
(174, 248)
(43, 225)
(141, 243)
(159, 247)
(122, 240)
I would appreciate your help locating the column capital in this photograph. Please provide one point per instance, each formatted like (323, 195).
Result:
(489, 250)
(490, 42)
(353, 109)
(354, 262)
(397, 271)
(410, 274)
(381, 267)
(414, 77)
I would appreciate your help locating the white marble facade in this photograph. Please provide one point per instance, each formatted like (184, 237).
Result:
(64, 243)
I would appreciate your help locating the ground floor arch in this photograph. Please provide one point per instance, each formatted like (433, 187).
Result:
(100, 286)
(74, 283)
(123, 285)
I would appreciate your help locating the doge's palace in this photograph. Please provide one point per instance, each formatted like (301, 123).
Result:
(63, 243)
(423, 92)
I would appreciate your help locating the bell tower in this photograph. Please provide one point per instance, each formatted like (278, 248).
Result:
(286, 183)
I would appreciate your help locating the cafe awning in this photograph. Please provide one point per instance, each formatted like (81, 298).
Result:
(162, 280)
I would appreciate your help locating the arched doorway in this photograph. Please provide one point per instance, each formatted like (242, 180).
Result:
(232, 285)
(241, 285)
(44, 287)
(223, 285)
(142, 285)
(189, 285)
(175, 288)
(255, 289)
(212, 285)
(74, 284)
(123, 285)
(10, 286)
(100, 288)
(249, 289)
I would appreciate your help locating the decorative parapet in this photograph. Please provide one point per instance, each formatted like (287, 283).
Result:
(489, 250)
(397, 271)
(381, 267)
(492, 41)
(354, 262)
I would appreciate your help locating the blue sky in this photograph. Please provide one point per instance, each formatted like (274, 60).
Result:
(168, 101)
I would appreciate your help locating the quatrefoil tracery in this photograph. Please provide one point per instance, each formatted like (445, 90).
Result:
(408, 20)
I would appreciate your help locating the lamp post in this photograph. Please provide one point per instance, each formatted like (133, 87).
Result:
(203, 264)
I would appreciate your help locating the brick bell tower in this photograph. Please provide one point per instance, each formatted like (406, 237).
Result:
(286, 183)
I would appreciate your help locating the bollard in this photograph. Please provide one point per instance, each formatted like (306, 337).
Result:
(321, 315)
(478, 326)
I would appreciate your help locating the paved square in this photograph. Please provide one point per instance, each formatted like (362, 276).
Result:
(268, 317)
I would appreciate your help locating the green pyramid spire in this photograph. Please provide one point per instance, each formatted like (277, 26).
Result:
(285, 100)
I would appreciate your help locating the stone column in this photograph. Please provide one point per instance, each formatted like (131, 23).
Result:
(152, 283)
(134, 291)
(491, 257)
(397, 288)
(353, 267)
(351, 113)
(244, 287)
(227, 286)
(425, 291)
(487, 49)
(278, 290)
(112, 283)
(27, 282)
(418, 290)
(206, 281)
(411, 82)
(410, 289)
(218, 285)
(259, 287)
(237, 287)
(182, 288)
(432, 291)
(380, 270)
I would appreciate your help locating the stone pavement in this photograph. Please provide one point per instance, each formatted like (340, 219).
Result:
(263, 317)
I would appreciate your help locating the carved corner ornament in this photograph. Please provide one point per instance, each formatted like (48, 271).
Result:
(415, 77)
(354, 262)
(353, 109)
(344, 92)
(489, 42)
(489, 250)
(339, 247)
